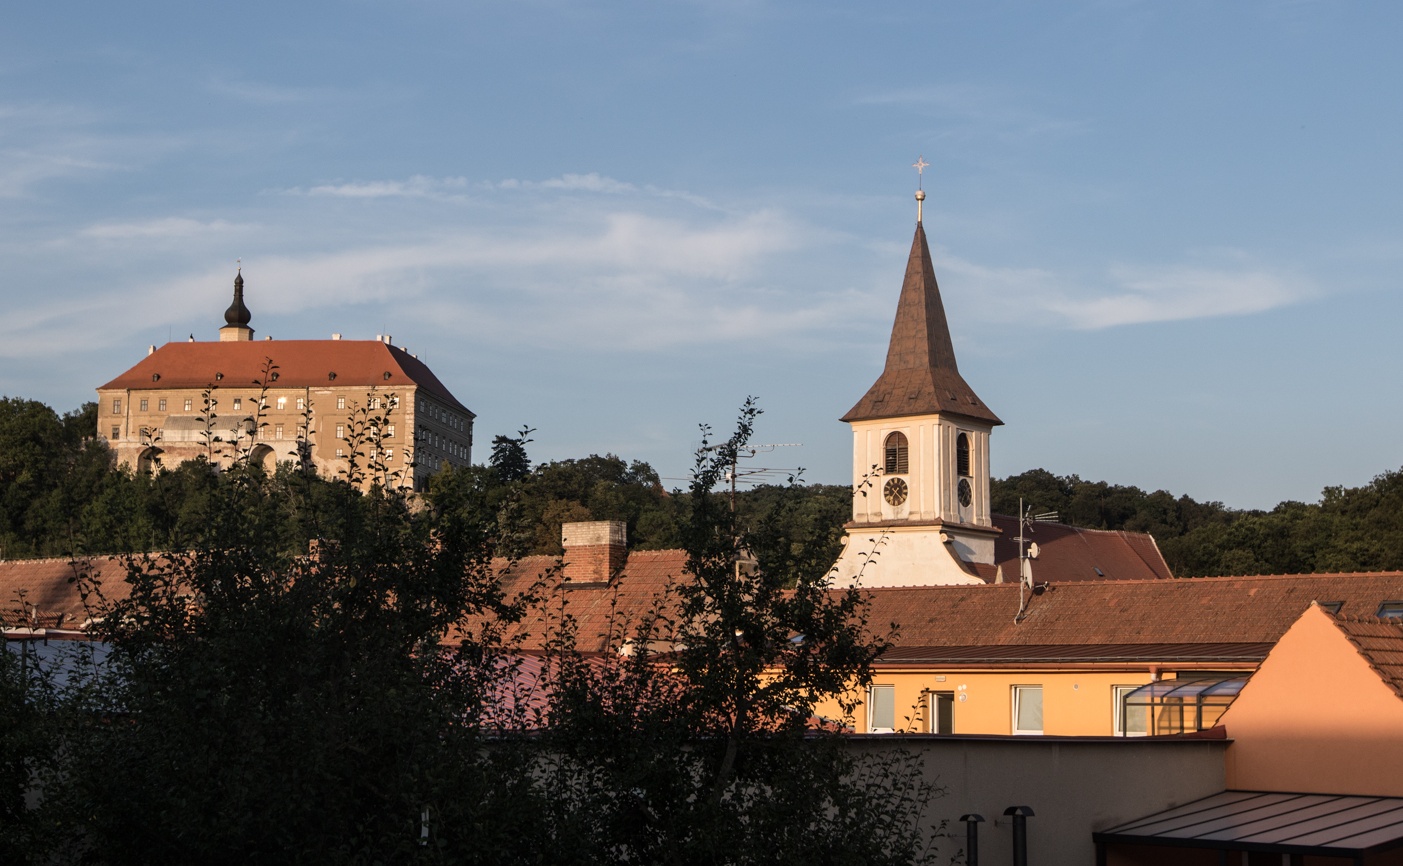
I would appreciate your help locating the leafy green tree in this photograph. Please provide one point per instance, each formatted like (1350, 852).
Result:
(699, 742)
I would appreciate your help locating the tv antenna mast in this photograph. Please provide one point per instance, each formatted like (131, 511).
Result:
(1027, 552)
(746, 452)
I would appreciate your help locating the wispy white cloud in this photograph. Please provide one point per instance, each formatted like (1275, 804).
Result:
(418, 186)
(621, 280)
(264, 93)
(1139, 295)
(167, 227)
(1125, 294)
(979, 106)
(39, 143)
(592, 182)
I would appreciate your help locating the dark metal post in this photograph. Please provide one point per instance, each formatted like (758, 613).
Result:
(1020, 815)
(972, 822)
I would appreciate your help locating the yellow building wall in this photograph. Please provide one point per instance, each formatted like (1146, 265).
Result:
(1076, 703)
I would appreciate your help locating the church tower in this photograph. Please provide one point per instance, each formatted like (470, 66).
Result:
(920, 454)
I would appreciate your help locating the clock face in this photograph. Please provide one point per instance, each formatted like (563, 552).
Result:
(965, 493)
(894, 491)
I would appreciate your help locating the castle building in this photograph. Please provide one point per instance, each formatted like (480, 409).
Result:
(365, 410)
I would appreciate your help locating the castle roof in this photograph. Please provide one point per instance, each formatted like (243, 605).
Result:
(920, 377)
(300, 364)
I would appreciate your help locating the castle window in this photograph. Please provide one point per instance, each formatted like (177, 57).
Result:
(301, 403)
(962, 455)
(896, 454)
(340, 402)
(189, 404)
(161, 405)
(238, 403)
(145, 405)
(282, 403)
(389, 431)
(116, 433)
(278, 432)
(116, 405)
(375, 402)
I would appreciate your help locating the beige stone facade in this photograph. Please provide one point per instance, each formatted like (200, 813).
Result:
(366, 410)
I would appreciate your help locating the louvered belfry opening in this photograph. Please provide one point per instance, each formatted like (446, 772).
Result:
(897, 455)
(962, 455)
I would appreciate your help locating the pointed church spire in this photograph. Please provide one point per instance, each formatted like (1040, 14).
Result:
(921, 377)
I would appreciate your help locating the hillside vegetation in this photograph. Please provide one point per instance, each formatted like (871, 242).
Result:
(60, 495)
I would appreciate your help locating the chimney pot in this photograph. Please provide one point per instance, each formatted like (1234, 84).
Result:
(595, 551)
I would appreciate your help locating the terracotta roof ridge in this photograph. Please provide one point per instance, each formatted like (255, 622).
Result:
(1366, 619)
(64, 559)
(1130, 536)
(1301, 574)
(1394, 683)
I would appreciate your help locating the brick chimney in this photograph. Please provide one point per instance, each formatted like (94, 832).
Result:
(594, 551)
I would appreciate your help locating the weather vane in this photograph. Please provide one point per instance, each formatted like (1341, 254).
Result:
(920, 165)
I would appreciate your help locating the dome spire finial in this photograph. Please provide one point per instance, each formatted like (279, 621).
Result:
(920, 165)
(238, 314)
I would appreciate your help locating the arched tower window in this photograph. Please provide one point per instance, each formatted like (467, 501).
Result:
(897, 461)
(962, 455)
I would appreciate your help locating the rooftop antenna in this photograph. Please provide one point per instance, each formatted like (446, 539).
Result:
(1027, 552)
(735, 472)
(920, 165)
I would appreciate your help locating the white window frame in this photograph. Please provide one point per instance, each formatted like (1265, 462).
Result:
(933, 711)
(872, 690)
(1018, 696)
(1118, 694)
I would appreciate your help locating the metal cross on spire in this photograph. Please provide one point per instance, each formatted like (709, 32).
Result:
(920, 165)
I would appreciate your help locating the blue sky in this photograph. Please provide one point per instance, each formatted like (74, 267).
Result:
(1168, 235)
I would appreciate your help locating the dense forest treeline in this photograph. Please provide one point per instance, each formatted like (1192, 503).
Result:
(60, 494)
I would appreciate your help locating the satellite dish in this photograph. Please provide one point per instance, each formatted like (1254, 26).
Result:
(1033, 550)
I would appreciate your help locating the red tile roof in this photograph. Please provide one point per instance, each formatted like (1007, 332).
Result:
(1065, 654)
(1204, 617)
(597, 608)
(1067, 553)
(43, 593)
(301, 364)
(1187, 610)
(1380, 642)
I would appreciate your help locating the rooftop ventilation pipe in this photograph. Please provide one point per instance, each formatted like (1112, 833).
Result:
(1020, 815)
(972, 822)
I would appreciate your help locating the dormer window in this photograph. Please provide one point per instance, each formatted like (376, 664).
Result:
(962, 455)
(895, 450)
